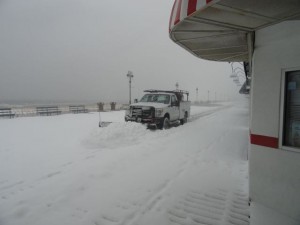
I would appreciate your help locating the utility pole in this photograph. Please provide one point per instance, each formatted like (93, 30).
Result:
(197, 94)
(177, 86)
(208, 96)
(130, 76)
(215, 96)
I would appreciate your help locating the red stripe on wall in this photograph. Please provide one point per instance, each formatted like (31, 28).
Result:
(266, 141)
(177, 18)
(191, 6)
(171, 16)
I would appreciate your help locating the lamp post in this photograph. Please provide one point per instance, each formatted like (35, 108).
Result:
(208, 96)
(215, 96)
(130, 76)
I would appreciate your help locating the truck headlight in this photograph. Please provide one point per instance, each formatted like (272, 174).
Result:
(158, 112)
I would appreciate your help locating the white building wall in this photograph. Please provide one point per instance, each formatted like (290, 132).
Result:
(274, 173)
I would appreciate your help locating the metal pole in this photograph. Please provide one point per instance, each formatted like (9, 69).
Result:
(130, 76)
(207, 96)
(129, 90)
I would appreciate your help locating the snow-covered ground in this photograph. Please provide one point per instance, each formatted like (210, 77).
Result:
(66, 170)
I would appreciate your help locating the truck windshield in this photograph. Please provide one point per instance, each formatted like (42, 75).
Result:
(156, 98)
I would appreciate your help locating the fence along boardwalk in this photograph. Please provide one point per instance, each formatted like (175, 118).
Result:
(47, 110)
(77, 109)
(6, 112)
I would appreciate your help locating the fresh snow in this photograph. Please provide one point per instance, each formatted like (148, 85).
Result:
(66, 170)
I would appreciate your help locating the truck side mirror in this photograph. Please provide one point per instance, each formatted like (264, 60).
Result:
(174, 103)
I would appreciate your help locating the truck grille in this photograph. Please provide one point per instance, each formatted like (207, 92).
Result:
(143, 113)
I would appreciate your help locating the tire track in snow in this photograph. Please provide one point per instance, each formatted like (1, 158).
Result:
(206, 113)
(9, 186)
(219, 207)
(153, 200)
(157, 196)
(216, 207)
(213, 208)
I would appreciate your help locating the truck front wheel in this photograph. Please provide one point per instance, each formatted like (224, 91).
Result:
(165, 124)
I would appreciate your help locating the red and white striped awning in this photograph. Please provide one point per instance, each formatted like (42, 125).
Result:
(222, 30)
(182, 9)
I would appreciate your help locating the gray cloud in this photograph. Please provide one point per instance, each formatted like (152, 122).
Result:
(75, 50)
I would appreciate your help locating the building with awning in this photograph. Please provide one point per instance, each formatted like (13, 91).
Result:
(265, 35)
(223, 30)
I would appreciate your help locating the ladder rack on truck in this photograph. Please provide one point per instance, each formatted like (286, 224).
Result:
(176, 92)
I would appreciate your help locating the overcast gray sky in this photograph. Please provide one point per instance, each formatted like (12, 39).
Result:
(81, 50)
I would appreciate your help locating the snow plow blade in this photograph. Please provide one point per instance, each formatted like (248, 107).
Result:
(104, 124)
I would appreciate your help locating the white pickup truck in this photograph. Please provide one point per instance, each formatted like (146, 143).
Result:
(160, 109)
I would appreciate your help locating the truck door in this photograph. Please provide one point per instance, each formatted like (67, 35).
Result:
(174, 108)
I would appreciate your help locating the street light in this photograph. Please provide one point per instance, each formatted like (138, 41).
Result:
(215, 96)
(130, 76)
(208, 96)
